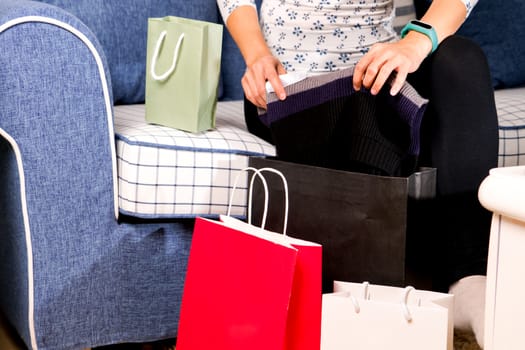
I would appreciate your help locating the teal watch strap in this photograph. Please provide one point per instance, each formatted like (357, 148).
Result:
(423, 28)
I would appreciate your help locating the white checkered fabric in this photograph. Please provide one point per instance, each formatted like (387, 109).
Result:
(511, 114)
(164, 172)
(168, 173)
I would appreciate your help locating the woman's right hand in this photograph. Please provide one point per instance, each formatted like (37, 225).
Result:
(261, 65)
(258, 72)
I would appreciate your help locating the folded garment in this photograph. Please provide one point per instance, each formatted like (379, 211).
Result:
(324, 121)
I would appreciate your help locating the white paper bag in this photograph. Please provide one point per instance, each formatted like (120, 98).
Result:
(374, 317)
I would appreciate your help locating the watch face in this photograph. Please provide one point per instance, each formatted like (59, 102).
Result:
(422, 24)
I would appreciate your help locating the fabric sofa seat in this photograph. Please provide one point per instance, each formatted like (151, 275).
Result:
(165, 172)
(159, 168)
(510, 104)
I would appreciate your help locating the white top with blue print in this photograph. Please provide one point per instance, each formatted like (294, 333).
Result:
(318, 36)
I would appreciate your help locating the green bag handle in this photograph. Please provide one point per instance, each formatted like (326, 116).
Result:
(155, 57)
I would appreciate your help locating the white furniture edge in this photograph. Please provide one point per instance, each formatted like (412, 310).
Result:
(503, 192)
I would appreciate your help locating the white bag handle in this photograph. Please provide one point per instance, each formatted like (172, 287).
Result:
(155, 58)
(366, 296)
(357, 308)
(265, 185)
(406, 312)
(286, 201)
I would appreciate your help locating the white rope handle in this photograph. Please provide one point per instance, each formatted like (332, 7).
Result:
(357, 307)
(265, 185)
(155, 58)
(404, 301)
(366, 296)
(286, 200)
(366, 293)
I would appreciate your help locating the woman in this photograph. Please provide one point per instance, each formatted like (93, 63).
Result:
(459, 134)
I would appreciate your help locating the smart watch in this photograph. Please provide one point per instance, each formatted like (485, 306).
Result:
(423, 28)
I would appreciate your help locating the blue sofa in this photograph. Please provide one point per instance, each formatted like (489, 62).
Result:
(74, 272)
(78, 268)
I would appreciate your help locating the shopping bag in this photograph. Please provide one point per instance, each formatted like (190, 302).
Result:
(371, 227)
(377, 317)
(250, 288)
(182, 75)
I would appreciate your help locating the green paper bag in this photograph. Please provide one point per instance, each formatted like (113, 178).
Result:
(182, 72)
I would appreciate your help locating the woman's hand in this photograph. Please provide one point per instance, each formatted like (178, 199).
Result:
(265, 68)
(262, 66)
(396, 60)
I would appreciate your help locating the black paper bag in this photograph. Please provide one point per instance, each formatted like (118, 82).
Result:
(361, 220)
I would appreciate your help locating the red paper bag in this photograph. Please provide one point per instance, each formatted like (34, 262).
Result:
(249, 288)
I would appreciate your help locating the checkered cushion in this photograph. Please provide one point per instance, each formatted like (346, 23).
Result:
(164, 172)
(511, 113)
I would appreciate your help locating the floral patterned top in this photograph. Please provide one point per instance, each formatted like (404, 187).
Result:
(317, 36)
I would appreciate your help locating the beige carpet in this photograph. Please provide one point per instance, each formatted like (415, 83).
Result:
(465, 341)
(10, 341)
(462, 341)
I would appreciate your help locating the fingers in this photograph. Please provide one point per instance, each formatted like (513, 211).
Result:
(360, 71)
(392, 71)
(253, 90)
(384, 63)
(254, 80)
(277, 84)
(398, 81)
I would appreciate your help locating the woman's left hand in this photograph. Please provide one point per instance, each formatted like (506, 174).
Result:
(396, 59)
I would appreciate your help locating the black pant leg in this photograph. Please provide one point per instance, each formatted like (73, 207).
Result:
(460, 139)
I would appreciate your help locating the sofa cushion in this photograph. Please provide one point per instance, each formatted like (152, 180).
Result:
(496, 26)
(168, 173)
(121, 28)
(511, 114)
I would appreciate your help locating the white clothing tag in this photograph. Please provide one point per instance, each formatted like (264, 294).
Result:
(287, 79)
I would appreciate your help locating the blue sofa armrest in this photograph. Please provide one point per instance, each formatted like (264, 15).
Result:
(57, 150)
(56, 104)
(71, 275)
